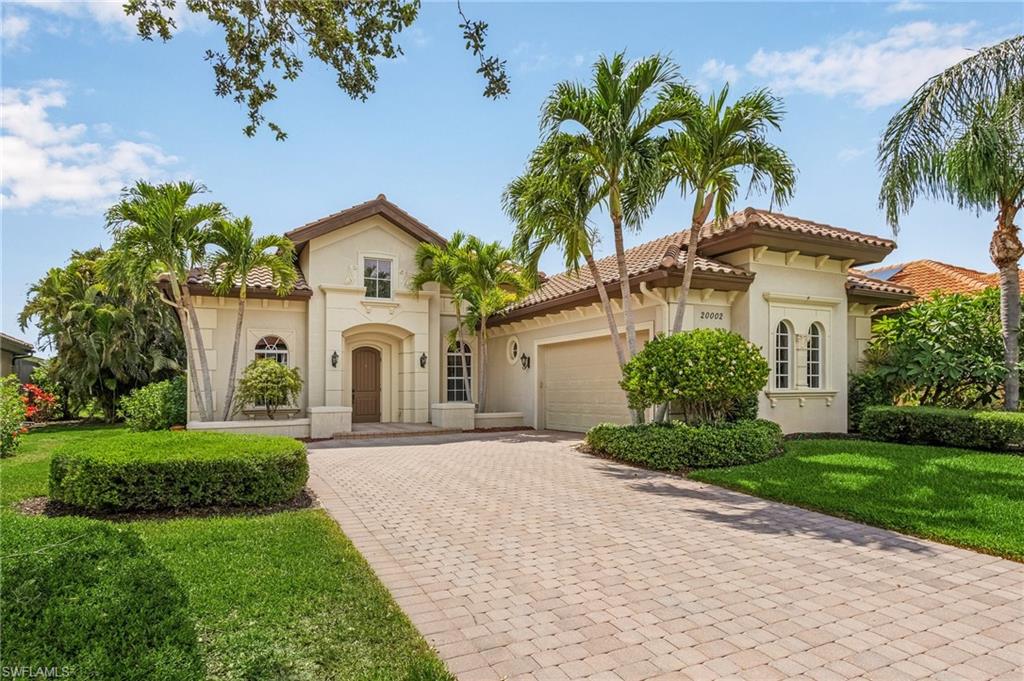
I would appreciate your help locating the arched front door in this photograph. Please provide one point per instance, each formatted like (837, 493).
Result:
(366, 385)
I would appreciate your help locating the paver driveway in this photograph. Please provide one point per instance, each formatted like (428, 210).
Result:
(516, 555)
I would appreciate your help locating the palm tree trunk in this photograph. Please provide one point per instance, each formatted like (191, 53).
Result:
(1006, 250)
(179, 309)
(602, 293)
(204, 364)
(230, 396)
(627, 298)
(482, 368)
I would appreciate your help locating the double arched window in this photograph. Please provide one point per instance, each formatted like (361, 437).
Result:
(272, 347)
(458, 379)
(815, 354)
(783, 356)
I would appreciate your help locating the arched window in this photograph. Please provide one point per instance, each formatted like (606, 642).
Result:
(459, 379)
(783, 356)
(815, 348)
(272, 347)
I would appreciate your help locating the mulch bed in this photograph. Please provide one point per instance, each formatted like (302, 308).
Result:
(37, 506)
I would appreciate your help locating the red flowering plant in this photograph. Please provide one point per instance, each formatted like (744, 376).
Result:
(40, 405)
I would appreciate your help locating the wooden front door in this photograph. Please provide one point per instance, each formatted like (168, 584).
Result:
(366, 385)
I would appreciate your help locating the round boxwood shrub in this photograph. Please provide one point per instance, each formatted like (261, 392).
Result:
(676, 446)
(157, 406)
(174, 470)
(87, 598)
(708, 375)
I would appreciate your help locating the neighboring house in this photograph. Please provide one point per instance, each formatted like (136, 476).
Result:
(370, 349)
(16, 357)
(928, 276)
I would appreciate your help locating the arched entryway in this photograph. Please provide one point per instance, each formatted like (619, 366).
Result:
(366, 384)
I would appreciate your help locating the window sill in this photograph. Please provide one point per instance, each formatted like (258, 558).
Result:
(379, 302)
(801, 395)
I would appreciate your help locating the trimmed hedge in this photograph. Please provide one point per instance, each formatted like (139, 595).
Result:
(87, 598)
(991, 430)
(675, 446)
(177, 469)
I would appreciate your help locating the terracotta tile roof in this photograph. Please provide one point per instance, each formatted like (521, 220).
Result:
(259, 281)
(641, 259)
(756, 217)
(361, 211)
(926, 276)
(857, 280)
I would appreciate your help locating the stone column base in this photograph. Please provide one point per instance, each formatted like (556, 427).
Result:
(326, 421)
(453, 415)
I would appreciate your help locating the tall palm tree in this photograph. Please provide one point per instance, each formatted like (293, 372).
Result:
(551, 205)
(490, 279)
(444, 265)
(157, 231)
(238, 254)
(717, 143)
(960, 138)
(613, 122)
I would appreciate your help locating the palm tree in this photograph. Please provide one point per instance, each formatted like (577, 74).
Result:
(444, 264)
(158, 232)
(489, 280)
(612, 123)
(960, 138)
(551, 205)
(706, 157)
(239, 253)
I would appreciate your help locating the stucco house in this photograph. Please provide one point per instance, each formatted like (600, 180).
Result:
(370, 349)
(16, 357)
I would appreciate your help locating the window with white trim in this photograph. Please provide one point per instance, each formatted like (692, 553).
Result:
(272, 347)
(458, 378)
(377, 277)
(815, 348)
(783, 356)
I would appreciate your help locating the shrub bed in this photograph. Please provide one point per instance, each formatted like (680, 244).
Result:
(991, 430)
(88, 599)
(173, 470)
(676, 446)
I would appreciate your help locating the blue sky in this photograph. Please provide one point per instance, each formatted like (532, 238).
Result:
(88, 108)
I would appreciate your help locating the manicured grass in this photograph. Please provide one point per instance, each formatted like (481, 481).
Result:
(278, 596)
(963, 497)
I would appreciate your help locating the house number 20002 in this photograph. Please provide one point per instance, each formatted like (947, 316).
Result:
(712, 315)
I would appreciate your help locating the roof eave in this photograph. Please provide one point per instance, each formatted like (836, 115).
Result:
(809, 244)
(379, 206)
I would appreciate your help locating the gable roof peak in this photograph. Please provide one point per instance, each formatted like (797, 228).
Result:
(379, 206)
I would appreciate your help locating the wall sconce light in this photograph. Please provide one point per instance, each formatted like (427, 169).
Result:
(423, 361)
(525, 361)
(334, 359)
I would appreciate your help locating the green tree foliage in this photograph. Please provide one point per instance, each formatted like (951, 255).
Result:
(708, 374)
(266, 41)
(960, 138)
(269, 384)
(945, 351)
(12, 415)
(237, 254)
(108, 339)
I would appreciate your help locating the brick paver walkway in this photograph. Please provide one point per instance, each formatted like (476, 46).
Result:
(517, 556)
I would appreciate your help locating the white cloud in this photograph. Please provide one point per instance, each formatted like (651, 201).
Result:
(906, 6)
(847, 154)
(13, 28)
(877, 71)
(714, 73)
(61, 17)
(528, 57)
(47, 162)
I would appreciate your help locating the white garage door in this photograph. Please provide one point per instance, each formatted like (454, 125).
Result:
(580, 384)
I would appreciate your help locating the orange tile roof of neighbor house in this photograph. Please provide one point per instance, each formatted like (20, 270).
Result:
(927, 276)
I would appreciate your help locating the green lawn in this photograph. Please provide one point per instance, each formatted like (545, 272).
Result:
(968, 498)
(278, 596)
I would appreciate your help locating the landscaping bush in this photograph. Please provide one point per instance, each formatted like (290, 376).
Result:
(675, 446)
(157, 406)
(85, 598)
(866, 389)
(13, 409)
(991, 430)
(178, 469)
(268, 383)
(708, 375)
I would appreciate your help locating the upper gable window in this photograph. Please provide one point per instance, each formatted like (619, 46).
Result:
(377, 277)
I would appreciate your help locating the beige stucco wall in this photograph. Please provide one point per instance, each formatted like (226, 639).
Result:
(263, 317)
(859, 332)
